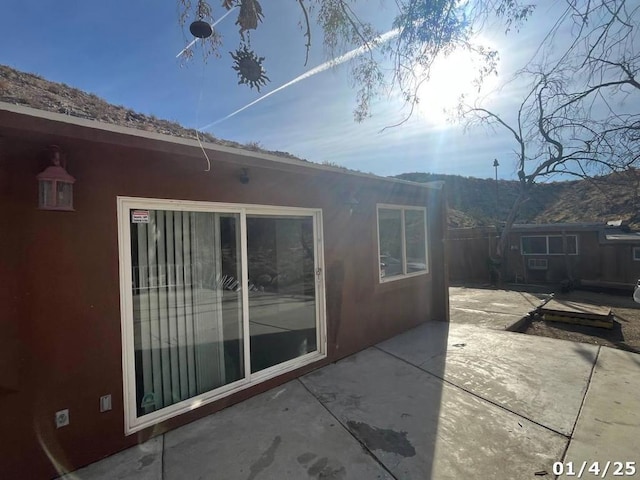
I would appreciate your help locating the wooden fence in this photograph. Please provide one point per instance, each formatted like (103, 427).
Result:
(469, 253)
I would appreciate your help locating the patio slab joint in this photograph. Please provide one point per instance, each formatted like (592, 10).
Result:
(162, 462)
(584, 398)
(348, 430)
(479, 397)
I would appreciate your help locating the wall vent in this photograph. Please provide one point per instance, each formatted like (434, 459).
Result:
(537, 263)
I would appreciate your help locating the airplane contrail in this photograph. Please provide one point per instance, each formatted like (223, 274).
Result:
(213, 25)
(385, 37)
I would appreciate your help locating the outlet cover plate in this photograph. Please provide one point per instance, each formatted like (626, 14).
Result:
(105, 403)
(62, 418)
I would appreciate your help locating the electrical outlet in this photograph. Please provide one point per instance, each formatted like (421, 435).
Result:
(62, 418)
(105, 403)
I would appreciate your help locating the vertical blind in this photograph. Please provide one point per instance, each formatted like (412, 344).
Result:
(177, 298)
(192, 330)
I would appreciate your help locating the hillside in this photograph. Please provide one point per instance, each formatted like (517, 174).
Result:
(30, 90)
(472, 201)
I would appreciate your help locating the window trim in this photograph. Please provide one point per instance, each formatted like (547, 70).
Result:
(133, 423)
(522, 237)
(404, 275)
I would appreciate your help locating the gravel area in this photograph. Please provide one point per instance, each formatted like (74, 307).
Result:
(624, 335)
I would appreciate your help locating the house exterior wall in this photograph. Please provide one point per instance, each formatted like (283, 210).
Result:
(560, 267)
(597, 263)
(59, 273)
(617, 264)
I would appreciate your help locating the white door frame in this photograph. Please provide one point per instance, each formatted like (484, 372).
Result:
(133, 423)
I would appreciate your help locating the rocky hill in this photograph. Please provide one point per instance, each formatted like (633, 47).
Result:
(21, 88)
(472, 201)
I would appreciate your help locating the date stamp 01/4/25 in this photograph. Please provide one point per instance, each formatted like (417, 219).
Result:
(609, 469)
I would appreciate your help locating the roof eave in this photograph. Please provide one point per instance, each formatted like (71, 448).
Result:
(19, 117)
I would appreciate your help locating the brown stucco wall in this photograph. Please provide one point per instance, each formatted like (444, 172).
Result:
(61, 293)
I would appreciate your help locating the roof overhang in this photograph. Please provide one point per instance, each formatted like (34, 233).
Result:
(27, 122)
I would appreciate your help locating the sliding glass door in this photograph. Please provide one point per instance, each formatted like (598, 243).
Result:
(215, 298)
(282, 294)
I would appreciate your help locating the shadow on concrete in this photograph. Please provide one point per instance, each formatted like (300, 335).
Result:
(388, 404)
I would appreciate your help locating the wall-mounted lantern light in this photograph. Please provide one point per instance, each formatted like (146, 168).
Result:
(55, 185)
(352, 202)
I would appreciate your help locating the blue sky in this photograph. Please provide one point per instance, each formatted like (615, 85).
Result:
(125, 53)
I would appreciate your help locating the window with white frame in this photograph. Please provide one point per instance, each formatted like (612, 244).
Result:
(549, 245)
(216, 297)
(402, 241)
(636, 254)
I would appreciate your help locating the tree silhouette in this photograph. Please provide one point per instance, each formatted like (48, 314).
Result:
(422, 31)
(574, 118)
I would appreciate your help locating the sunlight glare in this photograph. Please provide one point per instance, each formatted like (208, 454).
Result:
(451, 77)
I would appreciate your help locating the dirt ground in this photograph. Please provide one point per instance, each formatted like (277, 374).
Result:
(624, 335)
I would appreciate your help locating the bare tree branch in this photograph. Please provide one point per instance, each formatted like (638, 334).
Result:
(307, 32)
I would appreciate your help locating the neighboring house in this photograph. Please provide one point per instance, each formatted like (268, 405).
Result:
(171, 291)
(589, 254)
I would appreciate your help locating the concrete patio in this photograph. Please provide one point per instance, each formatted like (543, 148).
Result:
(442, 401)
(492, 308)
